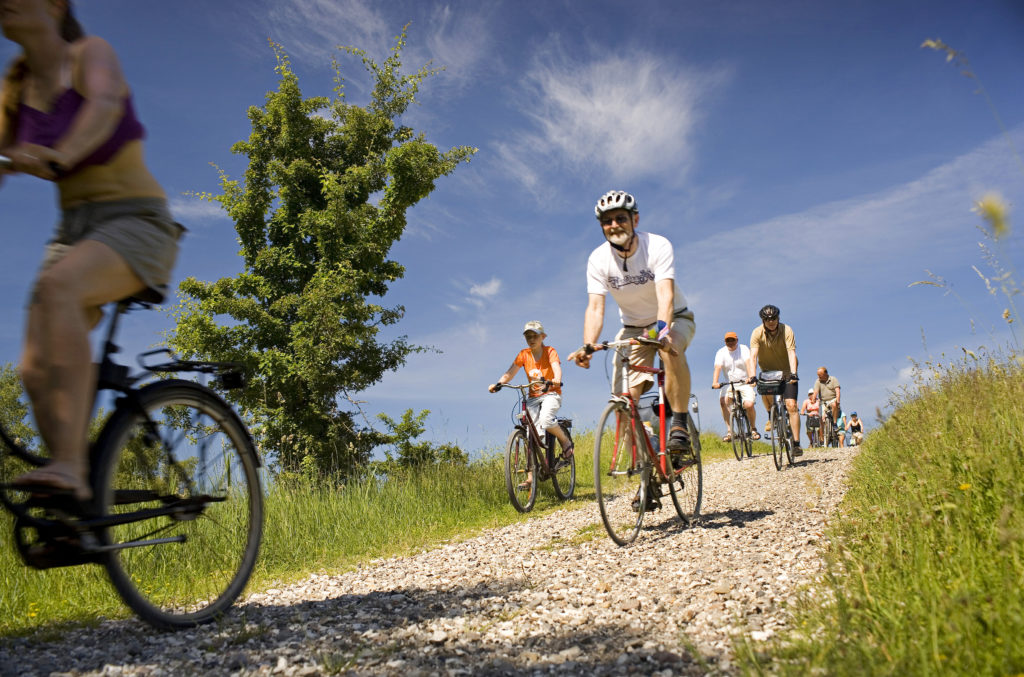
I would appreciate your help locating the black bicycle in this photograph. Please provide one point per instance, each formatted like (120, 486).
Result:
(739, 424)
(772, 384)
(175, 481)
(529, 460)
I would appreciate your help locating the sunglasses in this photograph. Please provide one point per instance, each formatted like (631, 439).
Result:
(621, 219)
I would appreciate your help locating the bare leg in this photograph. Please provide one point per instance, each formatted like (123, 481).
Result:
(751, 412)
(794, 419)
(56, 363)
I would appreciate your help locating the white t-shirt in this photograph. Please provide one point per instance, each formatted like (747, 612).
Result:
(733, 362)
(631, 281)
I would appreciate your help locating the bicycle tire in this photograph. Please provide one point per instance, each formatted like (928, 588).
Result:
(519, 470)
(827, 431)
(787, 435)
(563, 479)
(622, 473)
(778, 442)
(180, 445)
(687, 485)
(736, 432)
(746, 441)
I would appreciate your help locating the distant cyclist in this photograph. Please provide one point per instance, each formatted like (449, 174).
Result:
(638, 270)
(811, 409)
(66, 115)
(773, 348)
(828, 392)
(856, 428)
(733, 358)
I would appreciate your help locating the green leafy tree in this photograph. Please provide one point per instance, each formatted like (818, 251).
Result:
(322, 201)
(14, 417)
(409, 454)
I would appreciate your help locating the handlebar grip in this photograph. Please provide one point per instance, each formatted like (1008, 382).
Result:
(57, 170)
(589, 348)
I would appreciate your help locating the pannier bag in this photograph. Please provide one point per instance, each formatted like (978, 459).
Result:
(770, 383)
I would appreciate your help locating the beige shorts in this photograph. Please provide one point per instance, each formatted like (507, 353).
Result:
(683, 329)
(140, 230)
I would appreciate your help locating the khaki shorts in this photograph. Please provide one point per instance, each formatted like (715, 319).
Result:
(683, 329)
(140, 230)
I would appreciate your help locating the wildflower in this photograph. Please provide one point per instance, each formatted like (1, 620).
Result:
(993, 209)
(965, 486)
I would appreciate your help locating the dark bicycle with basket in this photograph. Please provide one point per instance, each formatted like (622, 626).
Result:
(176, 485)
(772, 383)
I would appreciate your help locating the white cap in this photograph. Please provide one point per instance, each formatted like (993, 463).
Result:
(534, 326)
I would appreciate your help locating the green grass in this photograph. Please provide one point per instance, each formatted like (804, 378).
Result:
(926, 567)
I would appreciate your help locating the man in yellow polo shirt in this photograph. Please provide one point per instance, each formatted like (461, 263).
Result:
(773, 348)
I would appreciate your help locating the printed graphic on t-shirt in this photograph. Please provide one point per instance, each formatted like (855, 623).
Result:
(620, 281)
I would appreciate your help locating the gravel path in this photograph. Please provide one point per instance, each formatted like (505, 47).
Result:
(549, 596)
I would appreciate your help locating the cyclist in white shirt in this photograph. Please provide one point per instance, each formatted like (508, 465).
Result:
(733, 358)
(638, 270)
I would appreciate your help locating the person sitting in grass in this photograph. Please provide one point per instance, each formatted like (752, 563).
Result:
(542, 364)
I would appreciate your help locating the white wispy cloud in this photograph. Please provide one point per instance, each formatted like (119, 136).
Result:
(192, 209)
(459, 40)
(486, 290)
(314, 28)
(625, 116)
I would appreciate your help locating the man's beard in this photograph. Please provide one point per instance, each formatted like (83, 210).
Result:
(620, 238)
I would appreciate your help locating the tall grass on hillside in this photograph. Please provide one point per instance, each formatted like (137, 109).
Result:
(926, 571)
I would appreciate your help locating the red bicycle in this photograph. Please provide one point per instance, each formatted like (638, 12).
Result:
(529, 460)
(629, 472)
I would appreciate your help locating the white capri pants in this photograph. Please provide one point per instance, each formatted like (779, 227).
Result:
(543, 409)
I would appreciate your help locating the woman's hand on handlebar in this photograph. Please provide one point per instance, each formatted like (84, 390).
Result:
(30, 158)
(494, 387)
(716, 386)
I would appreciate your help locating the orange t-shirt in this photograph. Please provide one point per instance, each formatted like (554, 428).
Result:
(538, 369)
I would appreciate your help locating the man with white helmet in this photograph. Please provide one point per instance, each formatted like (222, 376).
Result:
(638, 270)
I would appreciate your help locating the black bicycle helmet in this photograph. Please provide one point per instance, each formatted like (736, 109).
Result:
(769, 312)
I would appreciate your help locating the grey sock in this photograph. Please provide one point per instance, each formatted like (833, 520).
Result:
(679, 420)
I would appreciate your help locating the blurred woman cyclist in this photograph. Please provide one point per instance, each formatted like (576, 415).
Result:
(66, 115)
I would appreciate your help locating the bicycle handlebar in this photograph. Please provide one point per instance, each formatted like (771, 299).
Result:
(606, 344)
(524, 387)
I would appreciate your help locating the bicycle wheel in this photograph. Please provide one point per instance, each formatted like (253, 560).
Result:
(748, 438)
(564, 478)
(687, 485)
(622, 471)
(747, 443)
(520, 478)
(737, 433)
(826, 431)
(778, 443)
(182, 448)
(787, 435)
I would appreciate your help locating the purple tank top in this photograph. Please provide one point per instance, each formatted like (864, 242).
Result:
(35, 126)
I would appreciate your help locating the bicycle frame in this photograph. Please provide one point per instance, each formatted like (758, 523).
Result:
(660, 459)
(527, 423)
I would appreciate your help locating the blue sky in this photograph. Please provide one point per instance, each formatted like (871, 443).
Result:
(805, 154)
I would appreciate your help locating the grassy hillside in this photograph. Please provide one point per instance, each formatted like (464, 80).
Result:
(926, 570)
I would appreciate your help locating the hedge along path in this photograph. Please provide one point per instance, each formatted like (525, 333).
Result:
(549, 594)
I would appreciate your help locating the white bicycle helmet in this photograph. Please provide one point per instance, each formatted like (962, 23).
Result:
(615, 199)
